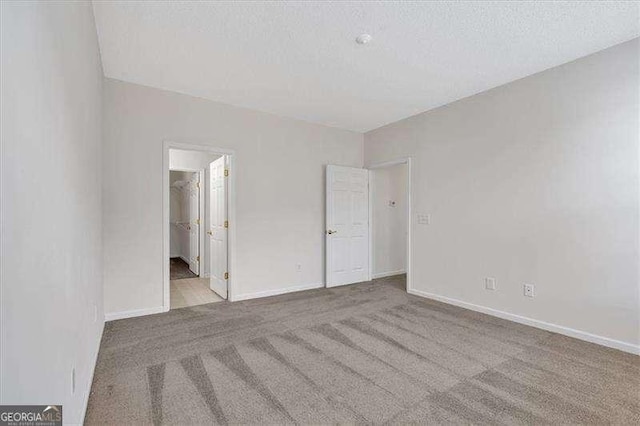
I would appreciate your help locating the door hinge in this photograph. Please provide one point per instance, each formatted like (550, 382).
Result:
(197, 258)
(226, 172)
(226, 223)
(226, 275)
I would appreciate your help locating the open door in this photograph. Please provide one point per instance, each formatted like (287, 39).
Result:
(194, 224)
(218, 170)
(347, 233)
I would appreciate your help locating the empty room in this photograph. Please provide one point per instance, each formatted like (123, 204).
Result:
(320, 212)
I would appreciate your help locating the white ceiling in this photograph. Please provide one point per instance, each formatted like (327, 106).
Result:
(299, 59)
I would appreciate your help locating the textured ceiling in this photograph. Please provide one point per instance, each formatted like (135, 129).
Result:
(299, 59)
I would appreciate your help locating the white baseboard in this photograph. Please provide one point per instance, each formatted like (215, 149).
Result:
(388, 274)
(93, 370)
(275, 292)
(134, 313)
(578, 334)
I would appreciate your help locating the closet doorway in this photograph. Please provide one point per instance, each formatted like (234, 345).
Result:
(197, 225)
(186, 203)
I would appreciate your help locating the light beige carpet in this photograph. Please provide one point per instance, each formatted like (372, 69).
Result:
(366, 353)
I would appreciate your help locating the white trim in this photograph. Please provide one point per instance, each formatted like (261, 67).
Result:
(409, 252)
(133, 313)
(93, 370)
(578, 334)
(276, 292)
(231, 215)
(388, 274)
(201, 215)
(370, 218)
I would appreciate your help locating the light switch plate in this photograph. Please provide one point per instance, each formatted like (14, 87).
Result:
(424, 219)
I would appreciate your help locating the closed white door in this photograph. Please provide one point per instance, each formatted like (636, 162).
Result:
(347, 233)
(194, 224)
(218, 226)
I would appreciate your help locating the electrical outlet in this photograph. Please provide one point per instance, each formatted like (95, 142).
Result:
(490, 283)
(528, 290)
(424, 219)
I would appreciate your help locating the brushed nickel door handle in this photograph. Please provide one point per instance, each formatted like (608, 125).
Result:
(331, 232)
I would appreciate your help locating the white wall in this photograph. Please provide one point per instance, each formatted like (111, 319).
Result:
(389, 223)
(280, 190)
(535, 181)
(51, 204)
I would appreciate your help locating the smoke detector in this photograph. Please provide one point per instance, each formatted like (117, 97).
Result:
(363, 39)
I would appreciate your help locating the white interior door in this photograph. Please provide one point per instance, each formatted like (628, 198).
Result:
(218, 226)
(194, 224)
(347, 233)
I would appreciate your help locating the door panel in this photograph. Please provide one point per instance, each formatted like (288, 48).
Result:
(218, 226)
(347, 234)
(194, 224)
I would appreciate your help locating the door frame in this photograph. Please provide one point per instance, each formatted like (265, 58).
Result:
(201, 211)
(409, 251)
(231, 214)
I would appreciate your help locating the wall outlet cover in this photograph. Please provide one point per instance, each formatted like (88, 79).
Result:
(529, 290)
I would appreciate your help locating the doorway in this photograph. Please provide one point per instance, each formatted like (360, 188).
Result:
(198, 210)
(184, 238)
(187, 262)
(390, 217)
(368, 231)
(388, 221)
